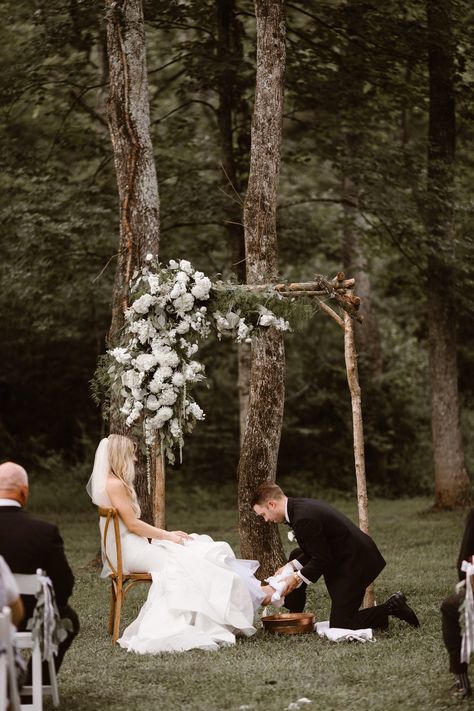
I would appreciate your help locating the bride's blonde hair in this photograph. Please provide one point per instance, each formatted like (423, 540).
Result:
(121, 451)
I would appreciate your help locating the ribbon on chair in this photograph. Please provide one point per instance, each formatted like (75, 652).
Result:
(466, 612)
(46, 625)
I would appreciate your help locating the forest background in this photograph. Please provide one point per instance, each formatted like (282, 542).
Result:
(352, 196)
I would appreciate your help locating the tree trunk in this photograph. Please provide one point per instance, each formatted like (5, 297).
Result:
(451, 479)
(229, 51)
(261, 441)
(367, 333)
(129, 125)
(355, 263)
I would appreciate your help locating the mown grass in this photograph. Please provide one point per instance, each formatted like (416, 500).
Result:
(404, 669)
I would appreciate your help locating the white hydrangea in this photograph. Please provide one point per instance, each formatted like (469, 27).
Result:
(145, 361)
(178, 380)
(130, 378)
(177, 290)
(166, 357)
(143, 303)
(201, 288)
(182, 278)
(183, 303)
(121, 355)
(168, 397)
(183, 327)
(152, 402)
(185, 266)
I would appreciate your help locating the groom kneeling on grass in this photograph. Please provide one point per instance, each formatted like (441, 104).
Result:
(332, 546)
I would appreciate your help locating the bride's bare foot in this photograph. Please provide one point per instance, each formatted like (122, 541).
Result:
(268, 590)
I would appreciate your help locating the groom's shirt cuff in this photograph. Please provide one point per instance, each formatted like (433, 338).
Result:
(297, 566)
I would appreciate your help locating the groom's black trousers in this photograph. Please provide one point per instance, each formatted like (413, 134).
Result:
(346, 600)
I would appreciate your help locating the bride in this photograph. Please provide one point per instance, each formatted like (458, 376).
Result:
(201, 595)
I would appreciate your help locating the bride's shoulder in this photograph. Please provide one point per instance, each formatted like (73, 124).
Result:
(114, 485)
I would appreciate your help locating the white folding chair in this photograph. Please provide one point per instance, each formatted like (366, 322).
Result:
(31, 585)
(7, 664)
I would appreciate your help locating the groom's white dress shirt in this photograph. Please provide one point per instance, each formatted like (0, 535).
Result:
(10, 502)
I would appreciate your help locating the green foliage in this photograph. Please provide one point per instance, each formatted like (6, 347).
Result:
(356, 75)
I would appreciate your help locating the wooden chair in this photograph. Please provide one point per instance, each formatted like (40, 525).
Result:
(7, 665)
(121, 582)
(30, 585)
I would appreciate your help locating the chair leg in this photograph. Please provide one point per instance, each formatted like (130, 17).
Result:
(53, 682)
(118, 610)
(37, 683)
(113, 599)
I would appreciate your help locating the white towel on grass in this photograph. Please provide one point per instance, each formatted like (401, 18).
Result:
(339, 634)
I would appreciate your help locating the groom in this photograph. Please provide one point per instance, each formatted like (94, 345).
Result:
(332, 546)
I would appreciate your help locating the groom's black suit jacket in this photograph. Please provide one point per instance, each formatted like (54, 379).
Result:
(27, 543)
(333, 546)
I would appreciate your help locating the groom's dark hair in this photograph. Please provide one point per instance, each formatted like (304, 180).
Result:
(265, 492)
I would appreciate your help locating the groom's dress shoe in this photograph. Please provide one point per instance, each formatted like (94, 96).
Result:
(397, 607)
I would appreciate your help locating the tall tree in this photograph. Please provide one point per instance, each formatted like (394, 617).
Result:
(231, 106)
(129, 124)
(451, 479)
(258, 458)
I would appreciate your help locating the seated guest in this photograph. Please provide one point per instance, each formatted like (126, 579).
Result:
(27, 543)
(452, 634)
(9, 595)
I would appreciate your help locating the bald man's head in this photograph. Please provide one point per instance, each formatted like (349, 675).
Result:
(13, 482)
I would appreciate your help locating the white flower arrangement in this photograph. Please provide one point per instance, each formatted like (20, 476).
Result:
(155, 367)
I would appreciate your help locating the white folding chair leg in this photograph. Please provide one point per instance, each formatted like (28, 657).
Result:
(36, 688)
(3, 682)
(53, 682)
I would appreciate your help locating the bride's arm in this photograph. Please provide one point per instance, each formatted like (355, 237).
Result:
(120, 500)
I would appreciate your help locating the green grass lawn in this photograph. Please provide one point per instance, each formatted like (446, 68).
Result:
(404, 669)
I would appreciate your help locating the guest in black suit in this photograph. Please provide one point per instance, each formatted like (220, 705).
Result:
(28, 543)
(332, 546)
(451, 628)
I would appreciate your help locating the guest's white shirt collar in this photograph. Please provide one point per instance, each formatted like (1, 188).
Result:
(10, 502)
(286, 510)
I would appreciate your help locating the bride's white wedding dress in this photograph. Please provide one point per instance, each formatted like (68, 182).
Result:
(201, 595)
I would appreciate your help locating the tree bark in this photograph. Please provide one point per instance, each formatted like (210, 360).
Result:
(367, 333)
(129, 126)
(451, 479)
(229, 53)
(261, 441)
